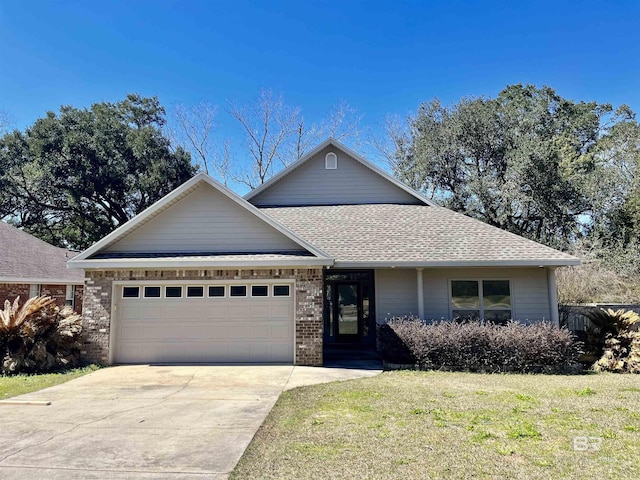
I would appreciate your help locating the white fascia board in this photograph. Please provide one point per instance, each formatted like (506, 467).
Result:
(455, 264)
(283, 173)
(200, 177)
(41, 281)
(181, 263)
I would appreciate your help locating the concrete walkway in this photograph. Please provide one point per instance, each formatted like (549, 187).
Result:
(148, 422)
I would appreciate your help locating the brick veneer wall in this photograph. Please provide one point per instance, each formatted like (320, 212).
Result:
(308, 307)
(9, 291)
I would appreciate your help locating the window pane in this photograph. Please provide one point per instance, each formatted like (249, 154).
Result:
(466, 314)
(130, 292)
(195, 291)
(216, 291)
(173, 292)
(281, 291)
(259, 291)
(464, 294)
(238, 290)
(152, 292)
(500, 317)
(496, 294)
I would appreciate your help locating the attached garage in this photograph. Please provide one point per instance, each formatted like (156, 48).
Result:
(208, 322)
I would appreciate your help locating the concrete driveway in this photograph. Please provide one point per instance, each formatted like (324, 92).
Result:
(147, 422)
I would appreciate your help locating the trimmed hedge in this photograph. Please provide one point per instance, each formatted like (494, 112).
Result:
(479, 347)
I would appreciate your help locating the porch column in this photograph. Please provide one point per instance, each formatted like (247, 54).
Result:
(553, 295)
(420, 293)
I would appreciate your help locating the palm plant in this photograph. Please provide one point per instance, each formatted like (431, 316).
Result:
(38, 336)
(614, 336)
(607, 323)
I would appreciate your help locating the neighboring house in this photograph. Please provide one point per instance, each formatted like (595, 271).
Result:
(313, 259)
(30, 267)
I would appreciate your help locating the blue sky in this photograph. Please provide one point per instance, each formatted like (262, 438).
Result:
(381, 57)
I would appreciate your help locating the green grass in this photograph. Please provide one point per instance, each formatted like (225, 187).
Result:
(420, 425)
(20, 384)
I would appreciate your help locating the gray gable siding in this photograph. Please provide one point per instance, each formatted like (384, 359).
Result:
(350, 184)
(205, 220)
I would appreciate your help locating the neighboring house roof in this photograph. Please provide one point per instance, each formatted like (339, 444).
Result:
(273, 181)
(411, 235)
(27, 259)
(162, 245)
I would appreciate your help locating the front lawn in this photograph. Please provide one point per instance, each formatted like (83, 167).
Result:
(417, 425)
(20, 384)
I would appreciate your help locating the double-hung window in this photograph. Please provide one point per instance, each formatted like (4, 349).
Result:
(488, 300)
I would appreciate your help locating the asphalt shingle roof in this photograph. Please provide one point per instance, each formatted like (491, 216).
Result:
(23, 256)
(410, 234)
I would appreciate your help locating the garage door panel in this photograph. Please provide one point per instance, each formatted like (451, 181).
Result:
(281, 311)
(280, 332)
(243, 329)
(238, 310)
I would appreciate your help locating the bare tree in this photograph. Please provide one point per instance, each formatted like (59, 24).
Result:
(222, 162)
(194, 129)
(269, 126)
(275, 134)
(6, 121)
(395, 141)
(343, 123)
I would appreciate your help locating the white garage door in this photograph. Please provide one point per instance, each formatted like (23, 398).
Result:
(189, 322)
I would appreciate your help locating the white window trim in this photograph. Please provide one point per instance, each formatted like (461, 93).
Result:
(131, 286)
(481, 295)
(260, 285)
(331, 161)
(204, 291)
(246, 291)
(34, 290)
(182, 291)
(70, 296)
(273, 291)
(144, 294)
(224, 295)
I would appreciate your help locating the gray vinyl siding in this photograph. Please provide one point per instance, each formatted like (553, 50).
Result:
(350, 184)
(205, 221)
(529, 291)
(395, 293)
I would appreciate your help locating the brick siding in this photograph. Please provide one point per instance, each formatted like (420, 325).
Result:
(308, 308)
(9, 291)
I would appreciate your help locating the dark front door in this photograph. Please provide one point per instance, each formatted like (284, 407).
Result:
(349, 308)
(347, 303)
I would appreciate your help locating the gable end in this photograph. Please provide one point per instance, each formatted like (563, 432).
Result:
(332, 174)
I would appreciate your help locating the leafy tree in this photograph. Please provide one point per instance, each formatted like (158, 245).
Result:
(526, 161)
(72, 178)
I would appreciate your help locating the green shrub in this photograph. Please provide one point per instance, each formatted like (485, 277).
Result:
(38, 336)
(480, 347)
(392, 347)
